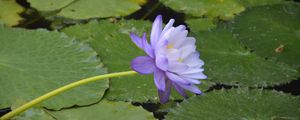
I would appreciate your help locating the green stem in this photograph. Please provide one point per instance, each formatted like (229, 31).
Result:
(60, 90)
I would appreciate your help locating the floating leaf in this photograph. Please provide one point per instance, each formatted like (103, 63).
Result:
(9, 12)
(113, 44)
(34, 114)
(227, 62)
(140, 2)
(239, 104)
(33, 63)
(105, 110)
(202, 24)
(51, 5)
(225, 9)
(274, 33)
(86, 9)
(252, 3)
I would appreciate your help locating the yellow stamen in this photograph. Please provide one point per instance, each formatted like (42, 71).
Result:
(170, 46)
(180, 60)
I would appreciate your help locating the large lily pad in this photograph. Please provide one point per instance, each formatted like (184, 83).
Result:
(105, 110)
(228, 62)
(51, 5)
(33, 63)
(274, 33)
(252, 3)
(85, 9)
(201, 24)
(239, 104)
(225, 9)
(34, 114)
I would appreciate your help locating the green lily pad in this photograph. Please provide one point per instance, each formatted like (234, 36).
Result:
(238, 104)
(9, 12)
(34, 114)
(86, 9)
(114, 46)
(273, 34)
(225, 9)
(252, 3)
(228, 62)
(33, 63)
(105, 110)
(51, 5)
(201, 24)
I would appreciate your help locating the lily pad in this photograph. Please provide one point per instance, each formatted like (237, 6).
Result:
(228, 62)
(86, 9)
(252, 3)
(273, 34)
(225, 9)
(34, 114)
(33, 63)
(105, 110)
(9, 12)
(51, 5)
(201, 24)
(238, 104)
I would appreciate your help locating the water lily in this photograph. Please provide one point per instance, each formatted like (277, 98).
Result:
(171, 57)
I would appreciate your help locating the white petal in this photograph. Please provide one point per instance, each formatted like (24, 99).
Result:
(177, 79)
(191, 88)
(168, 33)
(193, 60)
(188, 41)
(199, 75)
(178, 37)
(191, 80)
(173, 54)
(191, 70)
(187, 50)
(177, 67)
(181, 27)
(168, 26)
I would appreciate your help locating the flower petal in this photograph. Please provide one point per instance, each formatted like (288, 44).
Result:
(191, 70)
(180, 90)
(136, 40)
(189, 41)
(159, 79)
(168, 26)
(164, 95)
(173, 54)
(143, 64)
(187, 50)
(147, 47)
(198, 75)
(176, 78)
(177, 67)
(192, 80)
(193, 60)
(177, 36)
(161, 62)
(191, 88)
(156, 30)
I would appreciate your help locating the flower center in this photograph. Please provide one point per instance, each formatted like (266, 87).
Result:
(180, 60)
(170, 46)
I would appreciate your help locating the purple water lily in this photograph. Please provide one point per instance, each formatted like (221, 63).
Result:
(171, 57)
